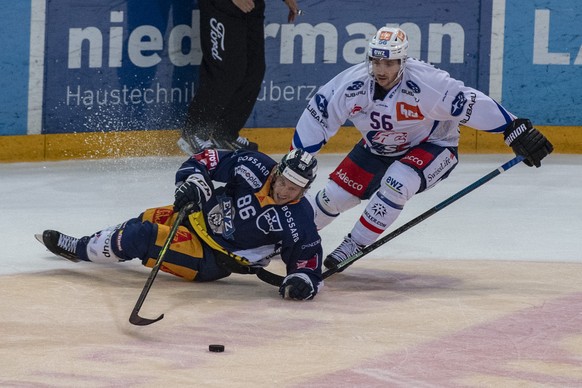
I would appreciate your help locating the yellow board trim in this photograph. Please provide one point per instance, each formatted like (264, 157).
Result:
(98, 145)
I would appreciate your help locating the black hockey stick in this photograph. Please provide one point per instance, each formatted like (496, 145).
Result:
(277, 280)
(134, 318)
(268, 276)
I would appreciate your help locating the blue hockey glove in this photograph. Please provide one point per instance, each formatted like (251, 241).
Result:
(527, 142)
(297, 286)
(195, 189)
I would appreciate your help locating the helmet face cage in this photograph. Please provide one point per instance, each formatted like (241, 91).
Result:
(299, 167)
(388, 43)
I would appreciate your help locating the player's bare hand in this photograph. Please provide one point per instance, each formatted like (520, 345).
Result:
(245, 5)
(293, 10)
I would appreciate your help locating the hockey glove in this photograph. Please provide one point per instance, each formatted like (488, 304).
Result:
(297, 286)
(527, 141)
(195, 189)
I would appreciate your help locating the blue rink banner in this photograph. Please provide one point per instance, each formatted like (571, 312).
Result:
(119, 65)
(327, 39)
(542, 76)
(133, 65)
(114, 65)
(14, 41)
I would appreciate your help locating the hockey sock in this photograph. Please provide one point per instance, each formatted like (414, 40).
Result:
(99, 248)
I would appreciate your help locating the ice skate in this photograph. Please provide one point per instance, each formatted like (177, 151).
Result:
(60, 244)
(346, 249)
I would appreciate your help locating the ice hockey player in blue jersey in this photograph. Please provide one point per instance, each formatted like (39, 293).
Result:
(259, 208)
(408, 113)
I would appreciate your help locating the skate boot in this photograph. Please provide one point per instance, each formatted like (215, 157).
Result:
(61, 244)
(346, 249)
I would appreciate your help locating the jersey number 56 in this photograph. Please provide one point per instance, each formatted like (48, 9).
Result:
(380, 121)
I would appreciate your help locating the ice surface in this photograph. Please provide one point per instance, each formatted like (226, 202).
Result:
(486, 292)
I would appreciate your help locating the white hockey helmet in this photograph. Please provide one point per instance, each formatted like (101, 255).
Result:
(389, 43)
(299, 166)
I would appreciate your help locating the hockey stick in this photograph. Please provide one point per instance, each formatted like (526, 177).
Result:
(478, 183)
(268, 276)
(134, 318)
(277, 280)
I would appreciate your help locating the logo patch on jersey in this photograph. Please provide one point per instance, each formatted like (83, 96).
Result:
(388, 142)
(441, 165)
(208, 158)
(355, 94)
(263, 169)
(311, 244)
(293, 228)
(162, 215)
(356, 85)
(406, 112)
(215, 220)
(308, 264)
(228, 213)
(458, 104)
(220, 217)
(417, 158)
(269, 221)
(412, 86)
(469, 111)
(321, 102)
(356, 109)
(409, 93)
(248, 176)
(181, 236)
(351, 177)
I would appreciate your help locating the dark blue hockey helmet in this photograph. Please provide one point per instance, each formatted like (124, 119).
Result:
(299, 166)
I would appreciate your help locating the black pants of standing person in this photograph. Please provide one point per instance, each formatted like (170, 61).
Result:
(231, 72)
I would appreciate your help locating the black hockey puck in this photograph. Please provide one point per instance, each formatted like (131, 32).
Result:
(216, 348)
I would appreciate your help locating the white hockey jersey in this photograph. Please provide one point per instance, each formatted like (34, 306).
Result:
(427, 105)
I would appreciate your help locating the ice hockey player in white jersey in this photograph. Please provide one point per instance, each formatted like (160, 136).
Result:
(408, 113)
(259, 209)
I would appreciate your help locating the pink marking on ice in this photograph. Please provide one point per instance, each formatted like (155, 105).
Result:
(535, 334)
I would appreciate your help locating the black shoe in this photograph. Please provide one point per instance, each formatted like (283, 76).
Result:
(60, 244)
(236, 144)
(192, 144)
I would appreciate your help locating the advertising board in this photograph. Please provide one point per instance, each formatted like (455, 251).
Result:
(133, 65)
(543, 60)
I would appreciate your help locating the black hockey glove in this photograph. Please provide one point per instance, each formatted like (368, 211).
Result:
(297, 286)
(527, 142)
(195, 189)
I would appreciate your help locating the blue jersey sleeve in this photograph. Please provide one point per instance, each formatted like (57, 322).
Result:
(302, 251)
(232, 167)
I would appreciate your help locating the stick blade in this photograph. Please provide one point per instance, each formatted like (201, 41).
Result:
(270, 278)
(135, 319)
